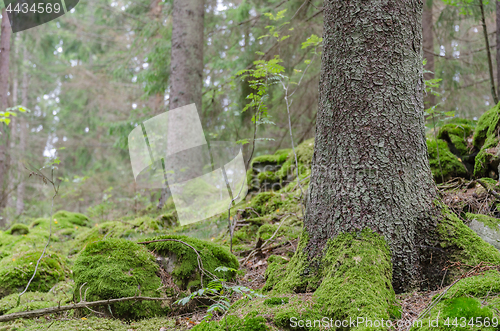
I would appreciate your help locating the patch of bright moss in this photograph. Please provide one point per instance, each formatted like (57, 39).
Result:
(93, 323)
(276, 301)
(234, 323)
(186, 261)
(116, 268)
(450, 164)
(16, 270)
(266, 231)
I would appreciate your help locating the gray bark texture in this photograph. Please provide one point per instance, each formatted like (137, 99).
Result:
(428, 47)
(186, 76)
(370, 167)
(5, 34)
(186, 63)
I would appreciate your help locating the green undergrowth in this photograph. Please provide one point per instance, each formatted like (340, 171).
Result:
(447, 165)
(234, 323)
(61, 293)
(186, 272)
(16, 270)
(471, 299)
(267, 231)
(93, 323)
(117, 268)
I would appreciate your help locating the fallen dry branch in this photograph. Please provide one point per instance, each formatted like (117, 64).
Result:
(83, 304)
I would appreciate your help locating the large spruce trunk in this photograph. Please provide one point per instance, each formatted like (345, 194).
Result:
(6, 33)
(370, 167)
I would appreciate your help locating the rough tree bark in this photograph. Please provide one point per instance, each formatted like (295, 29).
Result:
(5, 36)
(186, 75)
(186, 63)
(370, 167)
(428, 48)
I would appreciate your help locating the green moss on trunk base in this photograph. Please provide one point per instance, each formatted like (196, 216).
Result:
(353, 279)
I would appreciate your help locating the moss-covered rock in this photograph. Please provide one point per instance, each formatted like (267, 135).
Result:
(447, 165)
(130, 229)
(18, 229)
(16, 270)
(486, 141)
(486, 227)
(462, 243)
(62, 219)
(181, 261)
(457, 135)
(116, 268)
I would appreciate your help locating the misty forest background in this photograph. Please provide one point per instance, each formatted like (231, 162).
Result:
(90, 76)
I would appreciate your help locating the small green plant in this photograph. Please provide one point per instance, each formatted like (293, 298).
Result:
(5, 116)
(220, 292)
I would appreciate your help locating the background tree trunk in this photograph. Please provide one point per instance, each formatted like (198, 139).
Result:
(428, 47)
(370, 167)
(186, 64)
(6, 33)
(186, 75)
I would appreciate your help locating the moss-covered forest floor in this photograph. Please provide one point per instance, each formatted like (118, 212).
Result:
(148, 255)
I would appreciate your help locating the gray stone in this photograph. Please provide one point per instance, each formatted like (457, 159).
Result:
(491, 236)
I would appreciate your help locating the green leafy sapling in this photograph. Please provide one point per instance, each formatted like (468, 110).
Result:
(5, 116)
(220, 292)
